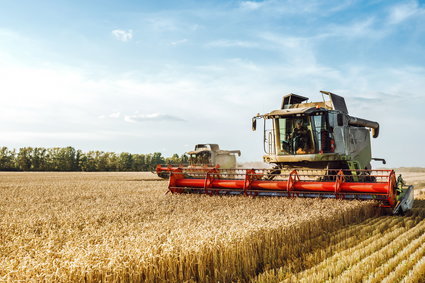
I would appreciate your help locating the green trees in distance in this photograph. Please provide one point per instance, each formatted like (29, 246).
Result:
(70, 159)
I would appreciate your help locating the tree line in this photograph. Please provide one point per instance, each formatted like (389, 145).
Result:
(71, 159)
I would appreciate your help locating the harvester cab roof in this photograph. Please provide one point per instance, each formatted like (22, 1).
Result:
(335, 102)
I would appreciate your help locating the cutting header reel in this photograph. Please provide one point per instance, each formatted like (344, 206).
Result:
(379, 185)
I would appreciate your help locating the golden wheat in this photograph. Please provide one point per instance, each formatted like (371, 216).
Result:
(379, 274)
(123, 227)
(384, 249)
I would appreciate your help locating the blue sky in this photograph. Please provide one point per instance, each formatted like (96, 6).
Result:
(145, 76)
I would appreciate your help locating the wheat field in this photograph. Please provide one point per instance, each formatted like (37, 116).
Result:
(124, 227)
(381, 249)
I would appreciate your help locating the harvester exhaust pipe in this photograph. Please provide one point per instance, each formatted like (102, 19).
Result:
(353, 121)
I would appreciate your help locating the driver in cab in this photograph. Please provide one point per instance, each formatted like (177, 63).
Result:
(299, 138)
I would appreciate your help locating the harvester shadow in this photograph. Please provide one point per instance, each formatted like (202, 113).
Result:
(419, 204)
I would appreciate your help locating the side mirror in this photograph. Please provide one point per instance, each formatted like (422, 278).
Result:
(340, 119)
(254, 124)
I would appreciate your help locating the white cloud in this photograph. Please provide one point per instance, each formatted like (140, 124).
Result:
(251, 5)
(231, 43)
(340, 6)
(169, 22)
(297, 52)
(364, 28)
(286, 41)
(163, 24)
(137, 117)
(402, 12)
(123, 35)
(10, 34)
(299, 7)
(154, 117)
(24, 138)
(115, 115)
(179, 42)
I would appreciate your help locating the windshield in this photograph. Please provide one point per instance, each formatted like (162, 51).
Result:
(200, 158)
(303, 134)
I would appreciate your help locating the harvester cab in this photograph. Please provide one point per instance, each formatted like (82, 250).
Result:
(318, 150)
(318, 135)
(205, 157)
(211, 155)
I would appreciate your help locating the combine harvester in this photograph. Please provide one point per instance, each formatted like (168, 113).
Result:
(318, 151)
(206, 157)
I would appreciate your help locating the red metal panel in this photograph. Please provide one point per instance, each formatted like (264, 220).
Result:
(282, 185)
(248, 181)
